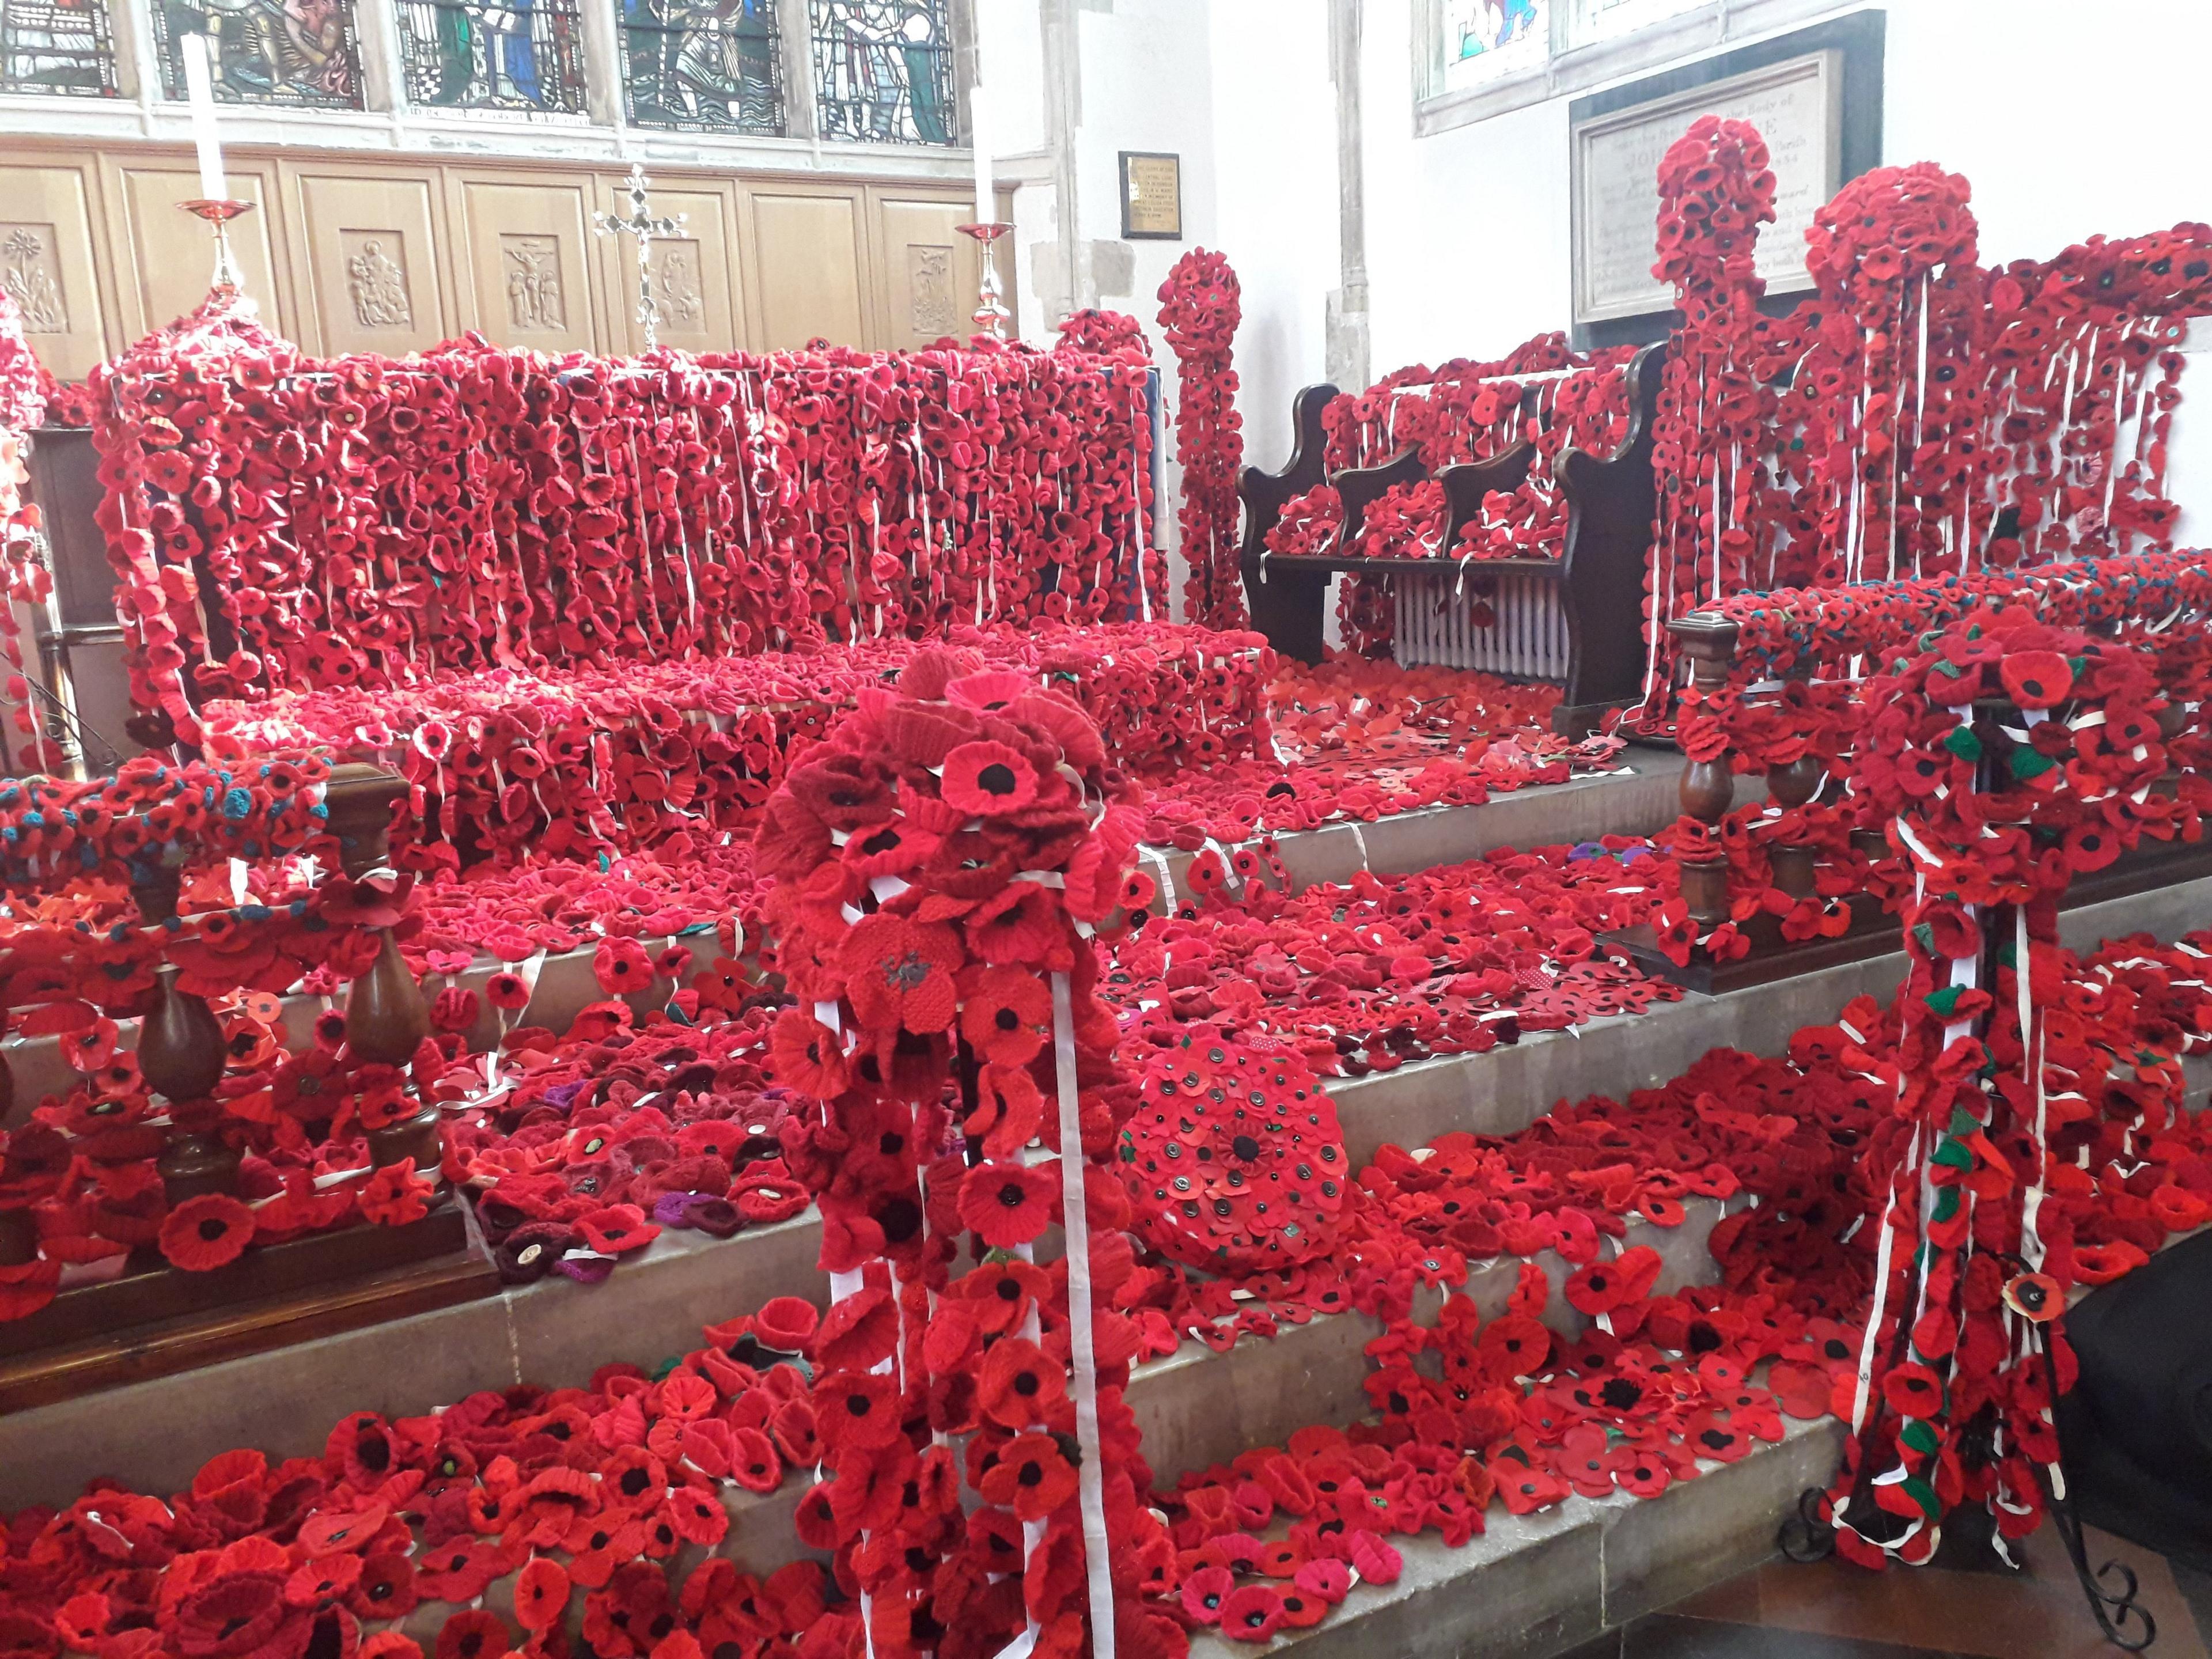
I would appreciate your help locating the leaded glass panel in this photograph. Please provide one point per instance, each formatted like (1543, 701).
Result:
(882, 71)
(57, 45)
(702, 65)
(524, 56)
(301, 52)
(1487, 41)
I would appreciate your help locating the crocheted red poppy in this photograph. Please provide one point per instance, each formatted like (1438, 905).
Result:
(987, 779)
(207, 1232)
(1005, 1203)
(1234, 1161)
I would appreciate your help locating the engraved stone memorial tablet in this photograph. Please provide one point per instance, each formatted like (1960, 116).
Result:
(1796, 105)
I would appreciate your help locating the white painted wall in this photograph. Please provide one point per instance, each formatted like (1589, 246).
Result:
(2066, 119)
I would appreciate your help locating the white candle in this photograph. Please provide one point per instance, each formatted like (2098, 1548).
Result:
(199, 88)
(987, 202)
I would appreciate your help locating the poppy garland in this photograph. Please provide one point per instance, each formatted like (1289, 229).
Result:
(941, 862)
(1919, 414)
(2012, 755)
(370, 523)
(1199, 313)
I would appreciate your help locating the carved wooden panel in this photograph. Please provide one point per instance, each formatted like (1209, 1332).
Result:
(929, 273)
(172, 254)
(527, 268)
(373, 264)
(47, 265)
(693, 271)
(811, 251)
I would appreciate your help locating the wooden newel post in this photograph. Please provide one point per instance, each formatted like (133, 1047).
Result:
(1707, 787)
(181, 1055)
(386, 1018)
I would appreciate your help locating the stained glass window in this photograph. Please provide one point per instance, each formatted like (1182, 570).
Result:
(301, 52)
(882, 71)
(524, 56)
(57, 45)
(1487, 41)
(1608, 20)
(702, 65)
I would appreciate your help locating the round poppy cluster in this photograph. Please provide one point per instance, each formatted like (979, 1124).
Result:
(1234, 1161)
(363, 522)
(1199, 312)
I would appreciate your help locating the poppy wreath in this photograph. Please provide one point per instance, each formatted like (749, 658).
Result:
(940, 864)
(370, 523)
(1199, 312)
(24, 578)
(1234, 1161)
(2011, 755)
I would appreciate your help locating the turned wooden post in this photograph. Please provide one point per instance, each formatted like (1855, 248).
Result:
(181, 1055)
(1790, 787)
(386, 1018)
(1707, 788)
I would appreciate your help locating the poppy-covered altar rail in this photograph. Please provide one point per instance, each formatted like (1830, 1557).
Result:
(280, 524)
(1526, 562)
(1776, 686)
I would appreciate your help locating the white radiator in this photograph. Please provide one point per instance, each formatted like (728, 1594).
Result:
(1527, 641)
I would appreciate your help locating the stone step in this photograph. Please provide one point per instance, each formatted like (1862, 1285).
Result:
(159, 1432)
(1532, 1586)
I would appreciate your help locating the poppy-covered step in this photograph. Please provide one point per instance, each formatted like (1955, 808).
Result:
(1537, 1584)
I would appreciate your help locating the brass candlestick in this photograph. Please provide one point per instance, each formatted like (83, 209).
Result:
(991, 314)
(229, 283)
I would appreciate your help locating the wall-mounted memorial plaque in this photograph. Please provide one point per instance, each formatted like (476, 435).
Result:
(1151, 196)
(1797, 105)
(1815, 98)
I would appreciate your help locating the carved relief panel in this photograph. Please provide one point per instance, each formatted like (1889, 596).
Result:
(526, 268)
(928, 273)
(372, 250)
(46, 265)
(692, 271)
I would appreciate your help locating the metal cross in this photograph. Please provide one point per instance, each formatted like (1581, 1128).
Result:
(643, 226)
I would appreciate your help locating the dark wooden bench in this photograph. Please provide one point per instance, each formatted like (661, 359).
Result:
(1596, 586)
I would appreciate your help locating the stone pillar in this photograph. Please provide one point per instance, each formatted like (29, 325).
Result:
(1346, 333)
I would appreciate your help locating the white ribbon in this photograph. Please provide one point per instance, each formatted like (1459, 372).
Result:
(1090, 1489)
